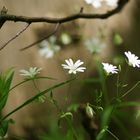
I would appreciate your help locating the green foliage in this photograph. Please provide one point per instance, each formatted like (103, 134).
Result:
(118, 40)
(107, 110)
(5, 84)
(73, 107)
(4, 128)
(57, 135)
(5, 88)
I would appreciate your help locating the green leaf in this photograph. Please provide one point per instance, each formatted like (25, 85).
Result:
(90, 80)
(138, 114)
(118, 40)
(5, 84)
(3, 128)
(126, 104)
(101, 134)
(67, 114)
(105, 118)
(64, 116)
(73, 107)
(35, 97)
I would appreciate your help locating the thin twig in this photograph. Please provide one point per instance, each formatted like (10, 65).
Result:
(79, 15)
(14, 37)
(113, 135)
(38, 41)
(126, 93)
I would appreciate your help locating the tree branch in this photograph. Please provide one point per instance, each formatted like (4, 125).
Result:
(80, 15)
(14, 37)
(38, 41)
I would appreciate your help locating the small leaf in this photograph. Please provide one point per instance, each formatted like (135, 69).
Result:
(105, 118)
(5, 83)
(63, 116)
(125, 85)
(89, 111)
(65, 38)
(67, 114)
(118, 40)
(138, 114)
(3, 128)
(101, 133)
(73, 107)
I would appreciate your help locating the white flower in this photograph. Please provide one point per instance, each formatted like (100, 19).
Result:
(31, 73)
(112, 3)
(73, 67)
(48, 50)
(94, 45)
(109, 68)
(95, 3)
(89, 1)
(133, 60)
(98, 3)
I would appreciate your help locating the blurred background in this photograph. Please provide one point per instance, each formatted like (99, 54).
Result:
(88, 40)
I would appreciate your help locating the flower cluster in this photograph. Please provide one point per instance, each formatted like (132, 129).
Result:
(73, 68)
(98, 3)
(133, 61)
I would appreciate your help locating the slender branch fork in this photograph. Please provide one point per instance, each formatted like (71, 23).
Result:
(14, 37)
(38, 41)
(80, 15)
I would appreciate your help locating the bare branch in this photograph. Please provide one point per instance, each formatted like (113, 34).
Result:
(79, 15)
(38, 41)
(14, 37)
(2, 12)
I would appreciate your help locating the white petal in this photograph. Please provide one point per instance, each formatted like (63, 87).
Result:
(78, 63)
(70, 71)
(71, 62)
(68, 62)
(81, 68)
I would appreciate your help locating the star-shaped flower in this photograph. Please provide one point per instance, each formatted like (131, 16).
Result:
(99, 3)
(95, 3)
(109, 68)
(133, 60)
(31, 73)
(48, 49)
(73, 67)
(112, 3)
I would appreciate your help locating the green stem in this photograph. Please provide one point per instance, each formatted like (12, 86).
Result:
(112, 134)
(104, 89)
(126, 93)
(36, 87)
(33, 98)
(118, 78)
(27, 80)
(67, 119)
(72, 128)
(126, 74)
(121, 126)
